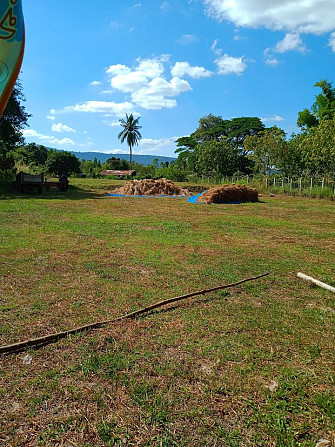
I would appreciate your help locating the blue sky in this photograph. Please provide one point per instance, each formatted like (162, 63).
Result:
(171, 62)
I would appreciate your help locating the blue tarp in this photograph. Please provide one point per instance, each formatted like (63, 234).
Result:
(193, 199)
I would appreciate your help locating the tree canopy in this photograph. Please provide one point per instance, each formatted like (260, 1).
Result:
(62, 162)
(12, 121)
(217, 158)
(322, 109)
(216, 129)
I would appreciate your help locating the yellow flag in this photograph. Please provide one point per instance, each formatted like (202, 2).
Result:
(11, 47)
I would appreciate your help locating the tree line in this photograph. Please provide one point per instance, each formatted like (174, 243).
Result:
(216, 149)
(244, 145)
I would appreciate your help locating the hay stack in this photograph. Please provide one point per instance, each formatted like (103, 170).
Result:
(229, 193)
(148, 187)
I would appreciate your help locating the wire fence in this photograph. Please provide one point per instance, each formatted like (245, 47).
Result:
(314, 186)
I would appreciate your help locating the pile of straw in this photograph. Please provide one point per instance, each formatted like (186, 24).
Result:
(148, 187)
(229, 193)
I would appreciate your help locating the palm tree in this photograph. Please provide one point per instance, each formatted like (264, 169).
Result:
(130, 132)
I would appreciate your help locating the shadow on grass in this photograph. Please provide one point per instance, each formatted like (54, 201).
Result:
(7, 192)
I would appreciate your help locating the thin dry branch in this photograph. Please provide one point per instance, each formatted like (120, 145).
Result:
(51, 338)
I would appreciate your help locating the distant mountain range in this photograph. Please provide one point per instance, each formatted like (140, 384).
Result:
(144, 160)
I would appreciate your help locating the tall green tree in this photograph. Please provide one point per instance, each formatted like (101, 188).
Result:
(216, 129)
(30, 154)
(265, 148)
(211, 127)
(13, 121)
(116, 164)
(186, 153)
(130, 133)
(322, 109)
(318, 148)
(240, 128)
(62, 162)
(217, 158)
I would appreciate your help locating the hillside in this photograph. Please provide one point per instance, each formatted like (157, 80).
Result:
(142, 159)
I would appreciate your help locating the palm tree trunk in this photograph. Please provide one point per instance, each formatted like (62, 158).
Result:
(130, 156)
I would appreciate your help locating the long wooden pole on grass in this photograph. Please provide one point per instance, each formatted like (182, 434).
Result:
(47, 339)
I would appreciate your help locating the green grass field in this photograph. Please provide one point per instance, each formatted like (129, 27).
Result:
(249, 366)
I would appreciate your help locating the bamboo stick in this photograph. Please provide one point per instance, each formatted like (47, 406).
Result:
(51, 338)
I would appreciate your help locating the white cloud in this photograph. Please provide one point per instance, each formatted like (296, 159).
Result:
(118, 109)
(289, 43)
(59, 127)
(137, 5)
(270, 58)
(184, 68)
(187, 39)
(332, 41)
(153, 95)
(230, 65)
(152, 67)
(129, 82)
(51, 117)
(118, 69)
(146, 84)
(272, 61)
(272, 118)
(216, 51)
(299, 16)
(46, 139)
(155, 102)
(151, 144)
(95, 83)
(112, 123)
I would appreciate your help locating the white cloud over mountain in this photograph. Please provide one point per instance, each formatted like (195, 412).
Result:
(151, 144)
(298, 16)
